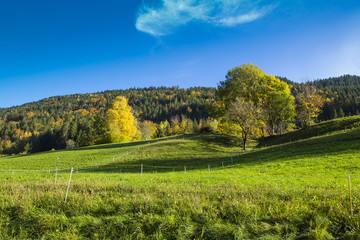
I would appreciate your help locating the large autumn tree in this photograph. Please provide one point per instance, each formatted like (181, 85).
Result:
(263, 91)
(120, 122)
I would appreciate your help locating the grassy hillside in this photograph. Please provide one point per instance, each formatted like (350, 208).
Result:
(287, 190)
(335, 126)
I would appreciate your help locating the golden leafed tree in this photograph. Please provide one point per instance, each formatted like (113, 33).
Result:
(120, 122)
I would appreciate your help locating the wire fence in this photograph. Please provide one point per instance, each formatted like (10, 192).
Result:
(151, 169)
(115, 165)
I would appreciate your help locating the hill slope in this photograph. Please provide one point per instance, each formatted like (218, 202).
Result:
(295, 190)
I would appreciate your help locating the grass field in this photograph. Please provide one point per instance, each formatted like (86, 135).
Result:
(294, 188)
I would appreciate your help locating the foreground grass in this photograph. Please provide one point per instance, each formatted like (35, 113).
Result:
(175, 206)
(295, 190)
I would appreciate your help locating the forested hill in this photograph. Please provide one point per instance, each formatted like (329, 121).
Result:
(344, 93)
(341, 95)
(154, 104)
(49, 123)
(162, 103)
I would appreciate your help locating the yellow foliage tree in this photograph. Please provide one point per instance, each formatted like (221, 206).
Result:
(309, 104)
(163, 129)
(120, 122)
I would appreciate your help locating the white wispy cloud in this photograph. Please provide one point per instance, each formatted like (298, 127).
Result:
(242, 18)
(161, 20)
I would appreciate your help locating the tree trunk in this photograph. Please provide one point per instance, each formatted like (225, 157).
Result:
(244, 141)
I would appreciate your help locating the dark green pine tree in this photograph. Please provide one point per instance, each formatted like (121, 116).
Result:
(334, 115)
(341, 113)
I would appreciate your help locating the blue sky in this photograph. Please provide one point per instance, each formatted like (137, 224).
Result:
(59, 47)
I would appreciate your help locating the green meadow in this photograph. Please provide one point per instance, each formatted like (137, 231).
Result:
(201, 186)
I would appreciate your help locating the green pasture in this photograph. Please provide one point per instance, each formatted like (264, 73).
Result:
(280, 189)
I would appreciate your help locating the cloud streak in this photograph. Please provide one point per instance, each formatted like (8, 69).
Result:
(162, 20)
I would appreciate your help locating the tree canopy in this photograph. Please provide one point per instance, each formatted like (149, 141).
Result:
(267, 92)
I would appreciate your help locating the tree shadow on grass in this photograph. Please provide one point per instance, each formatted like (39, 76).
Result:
(315, 147)
(128, 144)
(312, 147)
(216, 138)
(160, 166)
(317, 130)
(209, 138)
(100, 146)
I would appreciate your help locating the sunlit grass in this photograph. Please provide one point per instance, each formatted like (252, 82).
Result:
(292, 190)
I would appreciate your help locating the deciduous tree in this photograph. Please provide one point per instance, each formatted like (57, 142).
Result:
(247, 116)
(266, 92)
(147, 129)
(120, 122)
(278, 104)
(309, 104)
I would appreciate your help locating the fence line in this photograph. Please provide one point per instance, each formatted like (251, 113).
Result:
(144, 167)
(112, 160)
(208, 175)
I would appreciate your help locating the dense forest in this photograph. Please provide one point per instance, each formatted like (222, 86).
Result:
(341, 95)
(51, 123)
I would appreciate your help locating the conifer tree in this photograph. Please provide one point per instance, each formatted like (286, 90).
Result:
(341, 113)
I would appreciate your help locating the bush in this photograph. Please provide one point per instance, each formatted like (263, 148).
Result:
(70, 144)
